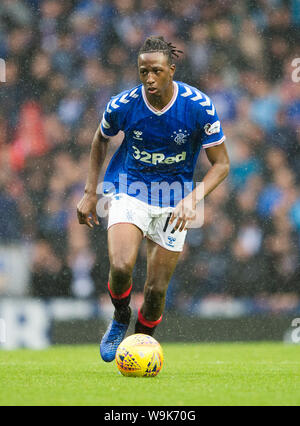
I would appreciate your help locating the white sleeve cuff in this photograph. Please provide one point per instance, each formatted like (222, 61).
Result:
(215, 143)
(102, 133)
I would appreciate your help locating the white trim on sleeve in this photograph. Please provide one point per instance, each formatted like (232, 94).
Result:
(102, 132)
(215, 143)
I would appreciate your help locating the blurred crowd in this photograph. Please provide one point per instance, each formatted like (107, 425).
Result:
(64, 59)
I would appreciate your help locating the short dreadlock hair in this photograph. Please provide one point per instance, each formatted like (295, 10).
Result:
(158, 44)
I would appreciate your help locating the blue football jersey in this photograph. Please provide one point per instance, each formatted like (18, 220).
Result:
(157, 157)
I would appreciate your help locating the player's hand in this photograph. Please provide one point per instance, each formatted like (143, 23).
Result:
(183, 212)
(86, 210)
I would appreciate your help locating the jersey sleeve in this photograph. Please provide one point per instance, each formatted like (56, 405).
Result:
(209, 124)
(111, 121)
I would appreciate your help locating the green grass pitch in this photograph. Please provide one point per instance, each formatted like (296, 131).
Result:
(193, 374)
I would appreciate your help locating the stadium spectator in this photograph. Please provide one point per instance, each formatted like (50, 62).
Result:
(63, 62)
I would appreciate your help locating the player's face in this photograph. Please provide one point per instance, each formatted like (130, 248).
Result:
(156, 73)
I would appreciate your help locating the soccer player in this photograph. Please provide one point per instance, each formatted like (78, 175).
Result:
(165, 123)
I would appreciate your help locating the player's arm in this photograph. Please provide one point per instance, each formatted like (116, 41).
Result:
(220, 165)
(87, 205)
(218, 158)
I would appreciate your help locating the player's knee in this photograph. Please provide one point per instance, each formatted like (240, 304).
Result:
(120, 272)
(154, 294)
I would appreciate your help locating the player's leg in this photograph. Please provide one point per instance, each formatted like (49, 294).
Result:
(160, 267)
(124, 240)
(123, 244)
(128, 220)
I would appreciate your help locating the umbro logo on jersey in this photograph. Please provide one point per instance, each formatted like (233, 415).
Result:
(137, 135)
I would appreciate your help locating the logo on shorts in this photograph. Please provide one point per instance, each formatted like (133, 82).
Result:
(137, 135)
(129, 215)
(180, 136)
(171, 241)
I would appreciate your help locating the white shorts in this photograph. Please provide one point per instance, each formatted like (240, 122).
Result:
(153, 221)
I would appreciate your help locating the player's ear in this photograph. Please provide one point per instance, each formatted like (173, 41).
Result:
(172, 69)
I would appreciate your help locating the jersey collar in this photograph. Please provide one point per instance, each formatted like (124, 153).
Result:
(167, 107)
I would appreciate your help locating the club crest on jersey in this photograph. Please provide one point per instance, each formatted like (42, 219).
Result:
(210, 129)
(180, 136)
(137, 135)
